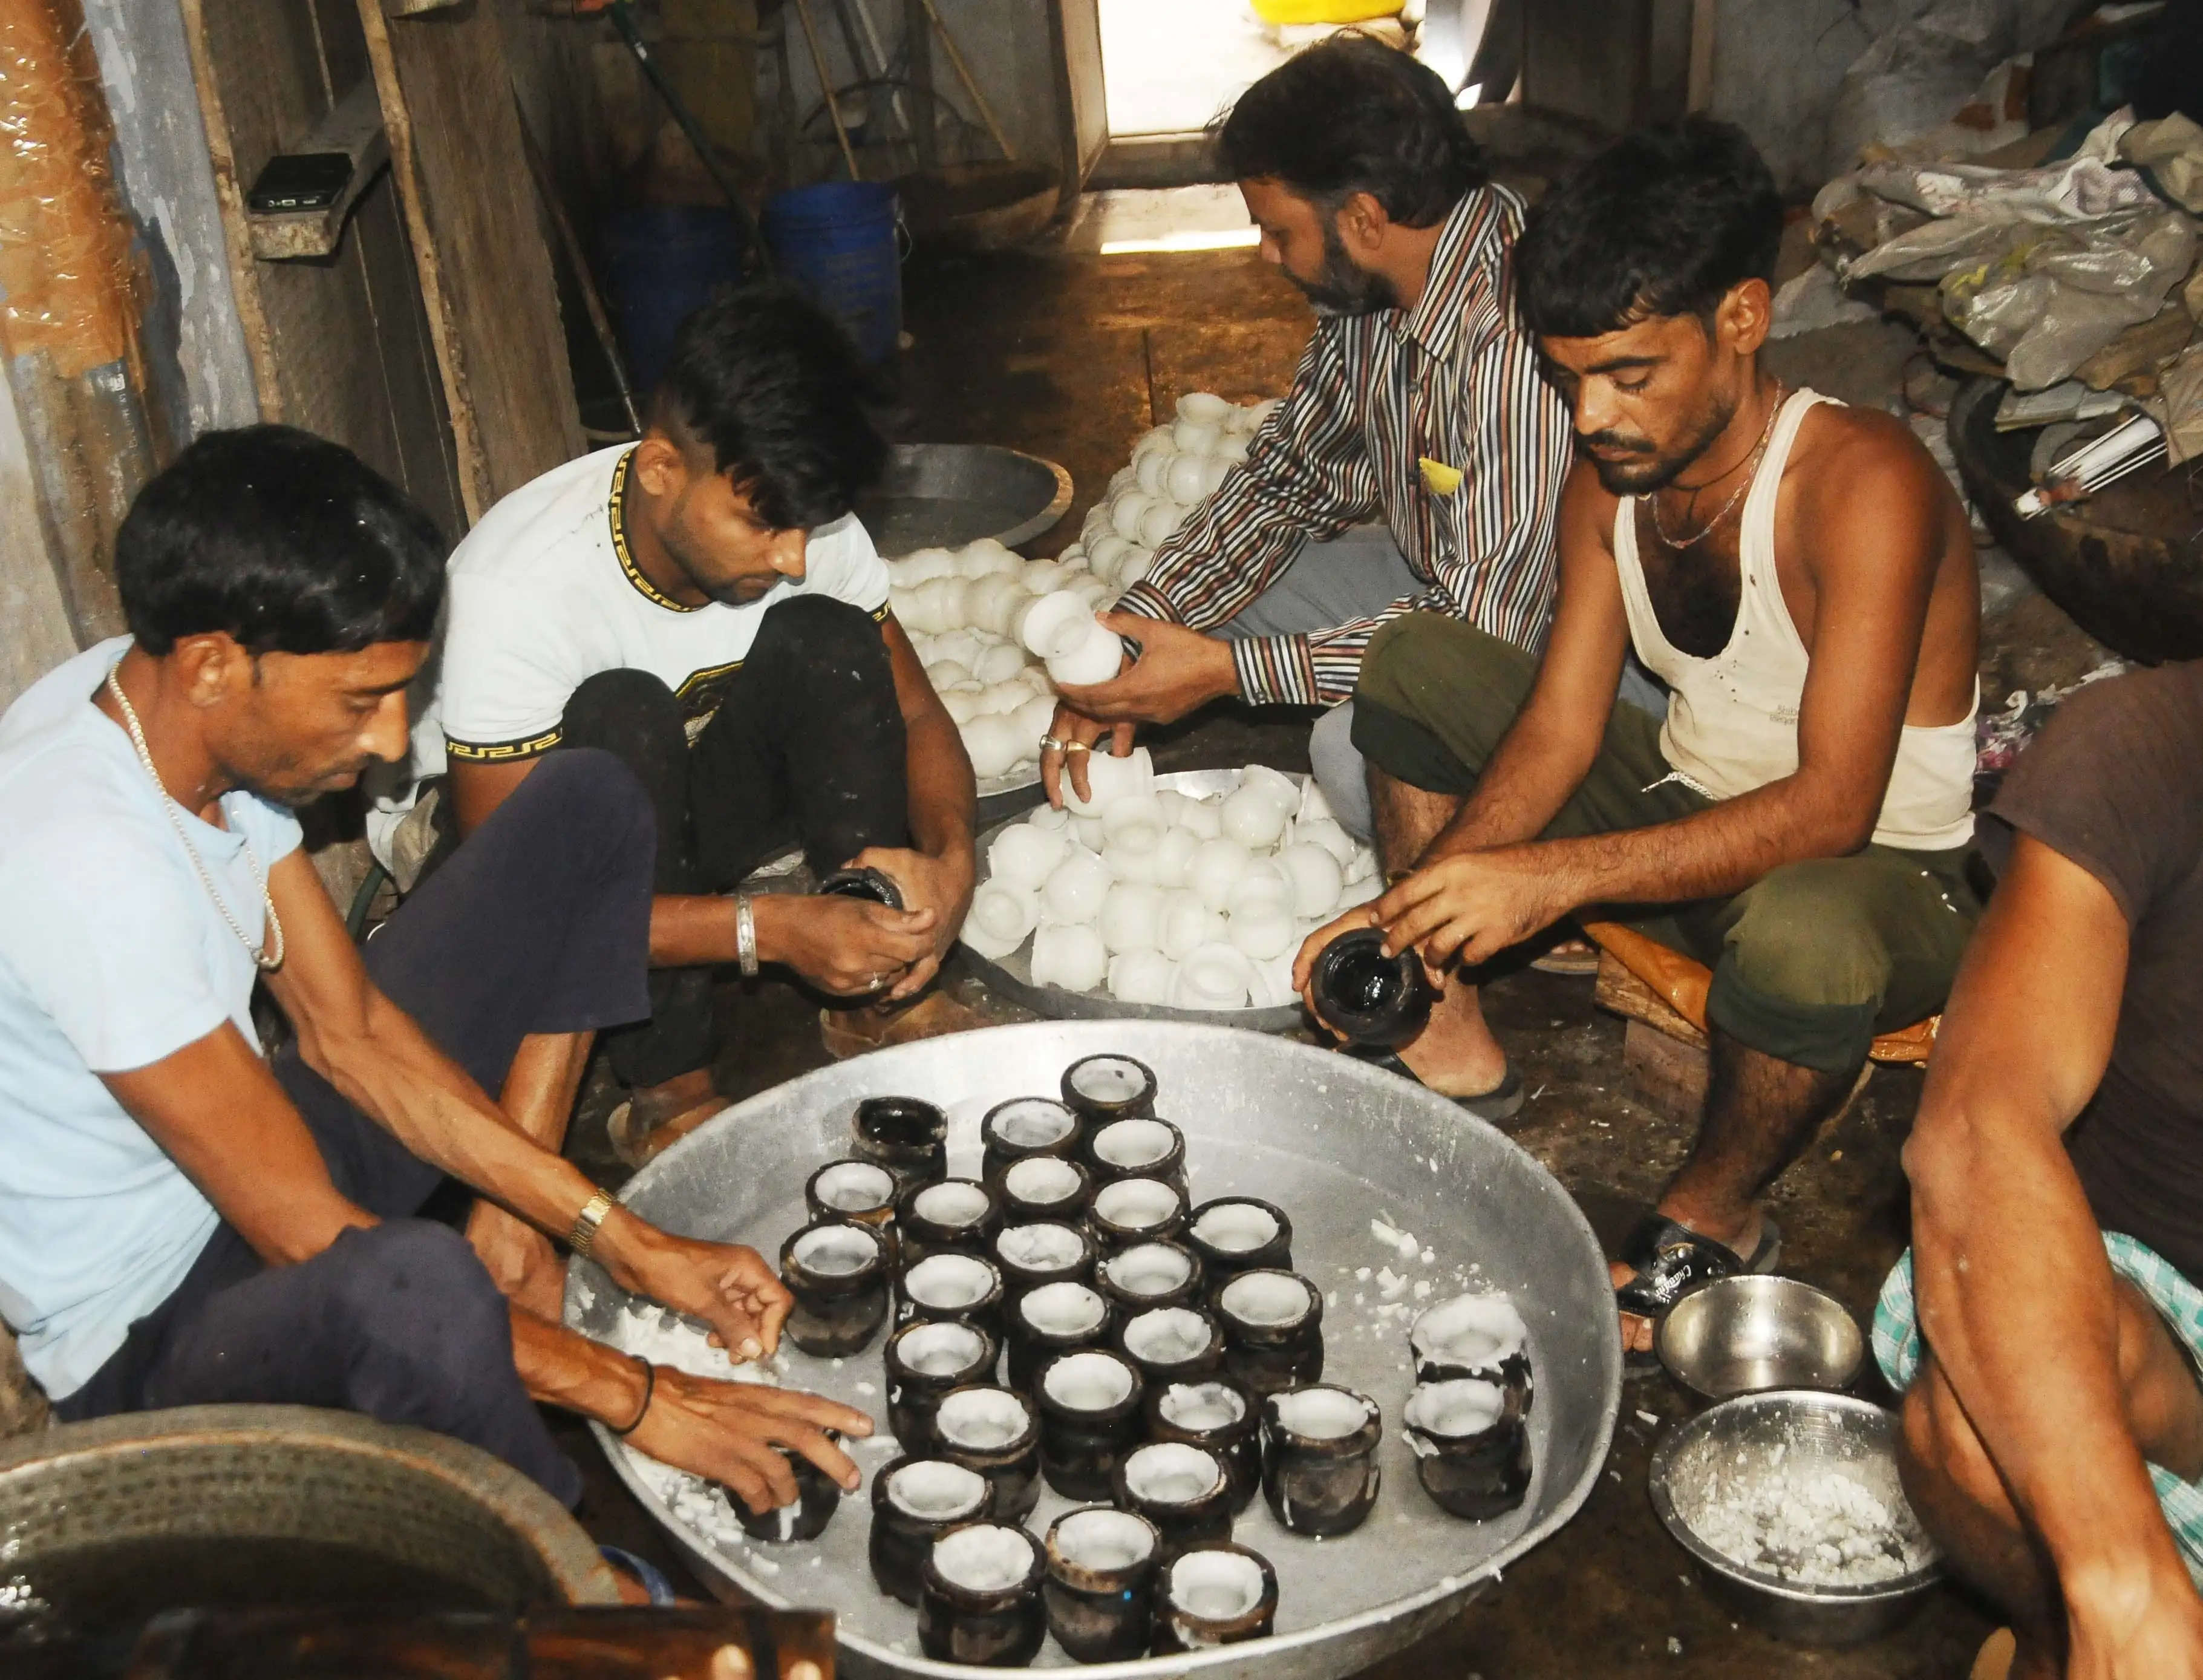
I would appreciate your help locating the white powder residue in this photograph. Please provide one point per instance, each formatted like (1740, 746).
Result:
(1809, 1523)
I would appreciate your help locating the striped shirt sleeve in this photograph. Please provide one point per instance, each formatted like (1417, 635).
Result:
(1308, 478)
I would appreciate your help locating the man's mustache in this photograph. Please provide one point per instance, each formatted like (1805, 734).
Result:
(1616, 441)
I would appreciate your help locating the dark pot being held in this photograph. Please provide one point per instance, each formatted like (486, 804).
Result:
(1125, 1211)
(1102, 1566)
(1319, 1470)
(996, 1432)
(1273, 1330)
(950, 1216)
(1216, 1595)
(1184, 1491)
(1218, 1414)
(1056, 1318)
(874, 885)
(907, 1136)
(1089, 1418)
(838, 1273)
(1367, 997)
(980, 1601)
(1238, 1234)
(818, 1497)
(914, 1501)
(925, 1361)
(1472, 1449)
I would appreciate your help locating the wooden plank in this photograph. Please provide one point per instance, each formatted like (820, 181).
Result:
(353, 127)
(478, 245)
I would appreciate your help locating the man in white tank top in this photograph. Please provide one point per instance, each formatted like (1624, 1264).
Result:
(1800, 575)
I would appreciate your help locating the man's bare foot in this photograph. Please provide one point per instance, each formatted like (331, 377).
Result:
(661, 1115)
(1638, 1333)
(1456, 1055)
(520, 1261)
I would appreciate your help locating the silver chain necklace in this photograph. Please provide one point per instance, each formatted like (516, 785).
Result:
(264, 958)
(1752, 472)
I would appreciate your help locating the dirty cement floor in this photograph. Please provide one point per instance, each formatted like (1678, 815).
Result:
(1071, 357)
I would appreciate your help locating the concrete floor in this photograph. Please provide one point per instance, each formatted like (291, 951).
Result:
(1071, 356)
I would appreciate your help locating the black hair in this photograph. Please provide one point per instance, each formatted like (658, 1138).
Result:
(773, 387)
(1351, 115)
(1663, 222)
(285, 541)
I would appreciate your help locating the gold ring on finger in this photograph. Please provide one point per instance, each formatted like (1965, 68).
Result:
(1077, 747)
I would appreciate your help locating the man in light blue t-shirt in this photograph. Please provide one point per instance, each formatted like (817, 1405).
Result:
(183, 1220)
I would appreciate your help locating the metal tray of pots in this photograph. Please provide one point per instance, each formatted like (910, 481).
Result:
(1333, 1142)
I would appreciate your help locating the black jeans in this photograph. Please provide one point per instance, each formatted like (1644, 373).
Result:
(807, 746)
(540, 924)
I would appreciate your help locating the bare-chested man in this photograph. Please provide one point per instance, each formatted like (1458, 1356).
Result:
(1800, 574)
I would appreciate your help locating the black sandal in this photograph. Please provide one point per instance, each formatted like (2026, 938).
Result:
(1502, 1102)
(1671, 1260)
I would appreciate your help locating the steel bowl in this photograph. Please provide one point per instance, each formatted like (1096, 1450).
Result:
(1726, 1446)
(944, 496)
(1739, 1335)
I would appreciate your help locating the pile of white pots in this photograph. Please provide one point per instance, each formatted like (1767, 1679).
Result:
(1158, 897)
(976, 615)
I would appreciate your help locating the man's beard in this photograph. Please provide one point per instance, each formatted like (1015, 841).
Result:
(740, 592)
(1343, 288)
(1650, 472)
(279, 783)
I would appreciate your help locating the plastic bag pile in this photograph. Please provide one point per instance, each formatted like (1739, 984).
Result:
(1158, 897)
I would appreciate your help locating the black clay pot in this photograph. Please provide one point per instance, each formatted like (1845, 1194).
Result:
(1045, 1190)
(867, 883)
(1367, 997)
(1219, 1414)
(948, 1216)
(968, 1609)
(1471, 1448)
(1216, 1595)
(1089, 1418)
(908, 1137)
(925, 1361)
(1056, 1318)
(1238, 1234)
(1102, 1566)
(838, 1273)
(818, 1497)
(965, 1288)
(1032, 1256)
(995, 1432)
(908, 1515)
(1184, 1491)
(1319, 1470)
(1025, 1127)
(861, 1191)
(1099, 1089)
(1273, 1330)
(1171, 1345)
(1147, 1275)
(1125, 1211)
(1476, 1336)
(1142, 1147)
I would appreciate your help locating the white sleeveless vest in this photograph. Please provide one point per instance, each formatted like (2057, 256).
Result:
(1733, 719)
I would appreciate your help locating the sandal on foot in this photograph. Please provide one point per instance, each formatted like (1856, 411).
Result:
(1671, 1260)
(1502, 1102)
(1558, 958)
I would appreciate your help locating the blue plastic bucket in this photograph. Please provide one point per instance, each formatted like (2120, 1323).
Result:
(838, 242)
(662, 264)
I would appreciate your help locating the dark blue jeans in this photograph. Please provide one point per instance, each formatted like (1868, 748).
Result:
(540, 924)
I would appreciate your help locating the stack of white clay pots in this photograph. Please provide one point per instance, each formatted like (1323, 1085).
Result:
(997, 632)
(1157, 897)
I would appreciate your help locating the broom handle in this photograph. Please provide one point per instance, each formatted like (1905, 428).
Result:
(970, 86)
(826, 86)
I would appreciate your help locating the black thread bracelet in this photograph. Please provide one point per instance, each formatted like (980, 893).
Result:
(649, 1390)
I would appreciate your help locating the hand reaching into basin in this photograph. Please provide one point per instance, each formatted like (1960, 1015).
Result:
(726, 1432)
(729, 1287)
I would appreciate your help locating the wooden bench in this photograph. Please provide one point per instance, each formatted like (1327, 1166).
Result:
(1661, 994)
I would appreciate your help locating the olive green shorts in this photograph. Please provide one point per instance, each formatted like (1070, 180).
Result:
(1808, 964)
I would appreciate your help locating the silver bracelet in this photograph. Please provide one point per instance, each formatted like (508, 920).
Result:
(745, 950)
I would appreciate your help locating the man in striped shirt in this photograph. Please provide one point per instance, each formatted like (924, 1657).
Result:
(1418, 403)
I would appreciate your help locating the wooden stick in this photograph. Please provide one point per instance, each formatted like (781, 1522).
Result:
(964, 74)
(826, 86)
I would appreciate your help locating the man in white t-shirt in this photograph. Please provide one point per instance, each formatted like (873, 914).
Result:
(705, 606)
(184, 1221)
